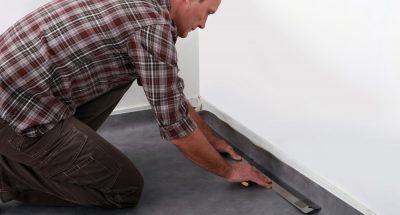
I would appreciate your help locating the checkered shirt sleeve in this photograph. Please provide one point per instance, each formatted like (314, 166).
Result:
(154, 56)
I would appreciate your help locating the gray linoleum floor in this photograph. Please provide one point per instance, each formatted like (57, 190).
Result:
(173, 184)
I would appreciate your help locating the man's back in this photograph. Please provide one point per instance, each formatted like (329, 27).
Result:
(66, 53)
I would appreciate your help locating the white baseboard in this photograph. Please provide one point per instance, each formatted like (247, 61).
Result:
(261, 142)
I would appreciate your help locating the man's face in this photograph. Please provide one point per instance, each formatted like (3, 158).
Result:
(194, 13)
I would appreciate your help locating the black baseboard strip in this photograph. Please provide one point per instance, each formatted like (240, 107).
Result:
(280, 172)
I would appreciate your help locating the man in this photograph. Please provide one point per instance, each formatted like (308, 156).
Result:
(63, 69)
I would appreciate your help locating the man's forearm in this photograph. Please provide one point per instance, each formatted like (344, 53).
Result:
(196, 147)
(201, 124)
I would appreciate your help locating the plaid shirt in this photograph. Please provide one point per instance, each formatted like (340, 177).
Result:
(68, 52)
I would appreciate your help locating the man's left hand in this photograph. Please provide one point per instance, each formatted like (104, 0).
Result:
(221, 146)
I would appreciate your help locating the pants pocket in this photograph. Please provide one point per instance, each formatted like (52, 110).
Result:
(91, 172)
(61, 154)
(78, 159)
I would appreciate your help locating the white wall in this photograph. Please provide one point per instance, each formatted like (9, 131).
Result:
(134, 99)
(319, 82)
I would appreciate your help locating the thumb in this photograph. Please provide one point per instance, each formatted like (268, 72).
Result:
(233, 154)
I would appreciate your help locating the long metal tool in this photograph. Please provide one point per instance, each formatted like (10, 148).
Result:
(302, 204)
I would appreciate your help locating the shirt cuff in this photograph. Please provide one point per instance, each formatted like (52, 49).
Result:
(179, 129)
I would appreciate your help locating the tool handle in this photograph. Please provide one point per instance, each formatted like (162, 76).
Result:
(246, 183)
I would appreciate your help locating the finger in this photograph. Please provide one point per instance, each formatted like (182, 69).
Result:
(264, 183)
(267, 183)
(263, 180)
(233, 154)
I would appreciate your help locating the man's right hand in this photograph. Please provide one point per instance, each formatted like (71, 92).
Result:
(196, 147)
(241, 172)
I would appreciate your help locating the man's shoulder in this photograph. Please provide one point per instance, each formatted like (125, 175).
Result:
(148, 12)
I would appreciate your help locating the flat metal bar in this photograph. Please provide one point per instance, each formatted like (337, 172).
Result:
(304, 206)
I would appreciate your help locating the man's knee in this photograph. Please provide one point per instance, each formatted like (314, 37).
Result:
(127, 189)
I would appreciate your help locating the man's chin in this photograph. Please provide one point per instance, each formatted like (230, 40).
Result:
(183, 35)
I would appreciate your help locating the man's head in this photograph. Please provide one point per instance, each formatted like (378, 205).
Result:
(190, 14)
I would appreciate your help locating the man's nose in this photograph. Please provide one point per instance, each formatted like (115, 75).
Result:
(202, 25)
